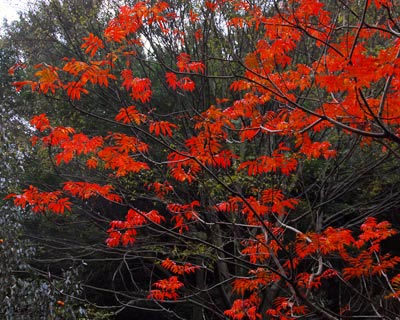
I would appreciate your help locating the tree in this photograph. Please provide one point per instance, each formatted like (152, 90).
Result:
(22, 294)
(239, 203)
(33, 284)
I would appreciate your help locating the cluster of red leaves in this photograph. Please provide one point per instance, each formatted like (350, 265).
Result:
(277, 161)
(162, 127)
(186, 268)
(286, 309)
(184, 83)
(116, 154)
(245, 308)
(49, 79)
(362, 254)
(260, 248)
(92, 44)
(124, 232)
(130, 115)
(166, 289)
(183, 167)
(139, 88)
(182, 215)
(131, 19)
(86, 190)
(271, 201)
(184, 65)
(40, 201)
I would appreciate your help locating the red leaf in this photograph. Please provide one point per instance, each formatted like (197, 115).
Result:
(171, 79)
(75, 89)
(40, 122)
(92, 44)
(129, 115)
(163, 127)
(166, 289)
(186, 84)
(11, 70)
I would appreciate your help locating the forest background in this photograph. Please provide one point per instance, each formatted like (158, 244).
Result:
(200, 160)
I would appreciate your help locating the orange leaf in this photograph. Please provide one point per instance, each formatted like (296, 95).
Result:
(129, 115)
(166, 289)
(11, 70)
(171, 80)
(163, 127)
(186, 84)
(92, 44)
(40, 122)
(74, 90)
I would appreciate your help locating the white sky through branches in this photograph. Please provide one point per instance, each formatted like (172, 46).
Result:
(9, 9)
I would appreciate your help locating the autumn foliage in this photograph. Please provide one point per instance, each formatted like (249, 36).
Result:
(238, 155)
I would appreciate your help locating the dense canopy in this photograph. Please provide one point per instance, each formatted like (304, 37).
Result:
(214, 159)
